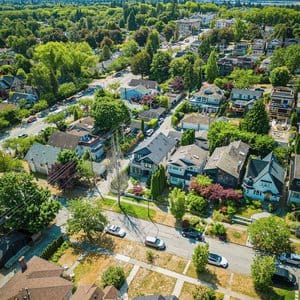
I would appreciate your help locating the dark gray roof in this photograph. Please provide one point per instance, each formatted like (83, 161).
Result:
(158, 147)
(149, 84)
(17, 97)
(269, 165)
(297, 167)
(64, 140)
(229, 159)
(150, 114)
(42, 154)
(247, 92)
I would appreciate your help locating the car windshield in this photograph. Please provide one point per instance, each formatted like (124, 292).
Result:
(157, 242)
(215, 257)
(291, 277)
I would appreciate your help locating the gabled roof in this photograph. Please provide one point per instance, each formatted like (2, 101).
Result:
(297, 167)
(64, 140)
(42, 154)
(258, 168)
(17, 97)
(149, 84)
(149, 114)
(247, 92)
(88, 292)
(186, 156)
(230, 159)
(196, 118)
(87, 124)
(41, 278)
(157, 147)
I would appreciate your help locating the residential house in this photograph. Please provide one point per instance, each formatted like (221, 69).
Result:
(78, 141)
(272, 45)
(41, 158)
(174, 98)
(194, 46)
(196, 121)
(148, 115)
(264, 179)
(185, 163)
(258, 47)
(188, 27)
(243, 99)
(265, 64)
(207, 18)
(223, 23)
(226, 164)
(289, 42)
(138, 88)
(246, 62)
(209, 98)
(240, 49)
(23, 99)
(10, 245)
(294, 182)
(12, 83)
(38, 279)
(225, 66)
(149, 154)
(282, 103)
(7, 61)
(86, 124)
(268, 31)
(93, 292)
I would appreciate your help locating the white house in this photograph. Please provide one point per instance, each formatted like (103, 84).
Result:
(264, 179)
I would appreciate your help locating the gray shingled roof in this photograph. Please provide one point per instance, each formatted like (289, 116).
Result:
(297, 167)
(269, 165)
(149, 84)
(42, 154)
(188, 155)
(64, 140)
(158, 147)
(247, 92)
(230, 159)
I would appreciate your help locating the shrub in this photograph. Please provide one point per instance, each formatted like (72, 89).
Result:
(203, 292)
(217, 216)
(194, 221)
(52, 247)
(218, 229)
(200, 257)
(150, 256)
(113, 276)
(60, 251)
(256, 204)
(138, 190)
(236, 234)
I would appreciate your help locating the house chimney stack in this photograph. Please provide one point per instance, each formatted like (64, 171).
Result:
(23, 264)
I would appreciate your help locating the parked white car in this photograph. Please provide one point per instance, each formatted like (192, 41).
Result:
(115, 230)
(217, 260)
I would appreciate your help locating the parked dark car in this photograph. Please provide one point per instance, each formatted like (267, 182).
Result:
(155, 242)
(290, 258)
(192, 234)
(284, 277)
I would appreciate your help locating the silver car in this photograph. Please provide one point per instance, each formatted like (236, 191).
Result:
(115, 230)
(217, 260)
(290, 258)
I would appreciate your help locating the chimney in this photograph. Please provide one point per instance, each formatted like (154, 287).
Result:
(23, 264)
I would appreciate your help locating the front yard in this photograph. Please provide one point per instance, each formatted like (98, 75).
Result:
(188, 289)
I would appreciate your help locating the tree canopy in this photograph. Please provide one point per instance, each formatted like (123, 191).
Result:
(177, 203)
(31, 208)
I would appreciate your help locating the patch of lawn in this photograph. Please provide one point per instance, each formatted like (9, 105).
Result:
(147, 282)
(188, 289)
(236, 236)
(244, 285)
(296, 247)
(248, 211)
(69, 257)
(129, 209)
(138, 200)
(213, 275)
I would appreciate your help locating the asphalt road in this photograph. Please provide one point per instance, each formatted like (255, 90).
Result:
(239, 257)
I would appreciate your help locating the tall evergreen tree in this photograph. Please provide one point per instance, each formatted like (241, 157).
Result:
(131, 22)
(257, 119)
(212, 67)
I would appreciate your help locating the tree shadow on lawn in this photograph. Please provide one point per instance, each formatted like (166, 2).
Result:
(271, 294)
(209, 276)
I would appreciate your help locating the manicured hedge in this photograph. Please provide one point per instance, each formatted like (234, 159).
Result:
(52, 247)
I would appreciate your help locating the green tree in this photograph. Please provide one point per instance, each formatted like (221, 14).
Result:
(130, 48)
(280, 76)
(158, 182)
(32, 206)
(131, 21)
(243, 78)
(177, 66)
(66, 156)
(110, 113)
(297, 144)
(159, 70)
(212, 67)
(239, 29)
(196, 203)
(200, 257)
(39, 106)
(140, 63)
(7, 163)
(66, 89)
(189, 77)
(203, 181)
(203, 292)
(114, 276)
(106, 54)
(57, 119)
(257, 119)
(270, 235)
(262, 270)
(153, 42)
(188, 137)
(86, 216)
(177, 203)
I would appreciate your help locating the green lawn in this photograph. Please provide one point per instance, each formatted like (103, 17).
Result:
(247, 211)
(129, 209)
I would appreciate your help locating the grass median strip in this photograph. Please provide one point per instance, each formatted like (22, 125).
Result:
(129, 209)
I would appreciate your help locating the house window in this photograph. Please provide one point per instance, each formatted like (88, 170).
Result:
(148, 166)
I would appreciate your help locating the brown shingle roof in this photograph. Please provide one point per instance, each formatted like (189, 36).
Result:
(41, 278)
(110, 293)
(64, 140)
(88, 292)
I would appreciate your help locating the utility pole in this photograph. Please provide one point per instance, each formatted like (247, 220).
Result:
(116, 162)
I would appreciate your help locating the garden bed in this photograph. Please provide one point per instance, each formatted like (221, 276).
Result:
(188, 289)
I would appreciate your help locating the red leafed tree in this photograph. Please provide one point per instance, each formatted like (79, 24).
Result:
(137, 190)
(177, 84)
(147, 99)
(63, 175)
